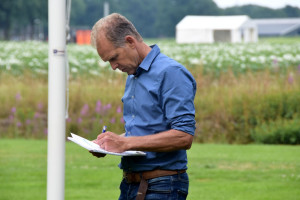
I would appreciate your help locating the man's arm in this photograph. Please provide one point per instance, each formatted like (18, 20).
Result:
(166, 141)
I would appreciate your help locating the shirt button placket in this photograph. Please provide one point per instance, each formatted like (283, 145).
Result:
(133, 102)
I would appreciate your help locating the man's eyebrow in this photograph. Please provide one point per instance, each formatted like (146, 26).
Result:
(112, 57)
(106, 59)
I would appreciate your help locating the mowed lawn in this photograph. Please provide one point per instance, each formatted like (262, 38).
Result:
(216, 172)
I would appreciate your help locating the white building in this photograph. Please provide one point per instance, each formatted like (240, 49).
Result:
(210, 29)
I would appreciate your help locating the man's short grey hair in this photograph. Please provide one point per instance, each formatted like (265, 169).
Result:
(115, 28)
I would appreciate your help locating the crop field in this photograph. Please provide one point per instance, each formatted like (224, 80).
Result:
(18, 57)
(245, 91)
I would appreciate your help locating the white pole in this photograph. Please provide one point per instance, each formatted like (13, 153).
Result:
(56, 99)
(105, 9)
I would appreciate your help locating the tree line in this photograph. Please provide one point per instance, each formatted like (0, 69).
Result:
(152, 18)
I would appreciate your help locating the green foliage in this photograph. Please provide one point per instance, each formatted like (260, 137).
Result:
(278, 132)
(232, 106)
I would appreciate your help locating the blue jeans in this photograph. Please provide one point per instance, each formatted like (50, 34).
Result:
(173, 187)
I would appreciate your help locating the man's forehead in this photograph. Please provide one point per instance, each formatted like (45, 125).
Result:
(105, 48)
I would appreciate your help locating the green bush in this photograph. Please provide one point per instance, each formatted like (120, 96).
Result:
(278, 132)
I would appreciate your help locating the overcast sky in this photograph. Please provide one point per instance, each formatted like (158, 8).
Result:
(266, 3)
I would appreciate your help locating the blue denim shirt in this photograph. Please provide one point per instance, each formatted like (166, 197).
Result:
(159, 97)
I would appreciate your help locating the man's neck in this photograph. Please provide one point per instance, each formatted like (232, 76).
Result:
(143, 50)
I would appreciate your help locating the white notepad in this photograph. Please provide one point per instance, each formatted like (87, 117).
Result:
(91, 146)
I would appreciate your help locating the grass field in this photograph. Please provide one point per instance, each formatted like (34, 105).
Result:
(229, 172)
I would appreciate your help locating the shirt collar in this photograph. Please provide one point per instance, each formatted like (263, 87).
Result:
(146, 63)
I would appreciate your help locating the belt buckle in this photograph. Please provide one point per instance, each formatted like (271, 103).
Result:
(128, 177)
(131, 177)
(125, 176)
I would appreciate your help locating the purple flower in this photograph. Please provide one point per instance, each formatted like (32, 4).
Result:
(98, 107)
(19, 124)
(79, 120)
(119, 109)
(69, 120)
(45, 131)
(40, 106)
(291, 78)
(13, 110)
(113, 120)
(36, 115)
(107, 107)
(84, 110)
(18, 96)
(122, 120)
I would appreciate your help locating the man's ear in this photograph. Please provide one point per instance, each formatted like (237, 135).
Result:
(130, 40)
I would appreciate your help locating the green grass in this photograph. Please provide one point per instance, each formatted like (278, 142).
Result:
(256, 172)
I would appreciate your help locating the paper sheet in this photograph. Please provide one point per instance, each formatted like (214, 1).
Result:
(91, 146)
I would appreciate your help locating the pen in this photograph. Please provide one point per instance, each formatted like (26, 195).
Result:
(104, 129)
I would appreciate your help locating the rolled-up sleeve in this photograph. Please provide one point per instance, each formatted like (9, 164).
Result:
(178, 92)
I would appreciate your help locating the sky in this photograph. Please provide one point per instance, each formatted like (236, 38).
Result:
(266, 3)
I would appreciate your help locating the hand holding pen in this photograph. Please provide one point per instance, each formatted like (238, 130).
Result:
(112, 142)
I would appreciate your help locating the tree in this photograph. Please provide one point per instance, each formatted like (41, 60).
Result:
(8, 11)
(291, 11)
(152, 18)
(170, 12)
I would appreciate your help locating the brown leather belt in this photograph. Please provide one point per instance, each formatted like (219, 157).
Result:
(142, 177)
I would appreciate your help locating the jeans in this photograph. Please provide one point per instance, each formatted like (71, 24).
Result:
(173, 187)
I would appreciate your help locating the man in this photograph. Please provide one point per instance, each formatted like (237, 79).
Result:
(159, 112)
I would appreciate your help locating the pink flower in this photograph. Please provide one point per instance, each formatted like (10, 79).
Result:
(98, 107)
(113, 120)
(69, 120)
(119, 109)
(107, 107)
(36, 115)
(84, 110)
(40, 106)
(19, 124)
(79, 120)
(122, 120)
(13, 110)
(18, 96)
(291, 78)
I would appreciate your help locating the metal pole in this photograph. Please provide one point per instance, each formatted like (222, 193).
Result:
(56, 100)
(105, 9)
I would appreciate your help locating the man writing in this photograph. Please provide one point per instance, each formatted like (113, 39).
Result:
(159, 112)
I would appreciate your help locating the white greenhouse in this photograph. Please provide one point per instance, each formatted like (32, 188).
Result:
(210, 29)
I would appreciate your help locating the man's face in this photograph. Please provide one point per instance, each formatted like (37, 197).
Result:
(123, 58)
